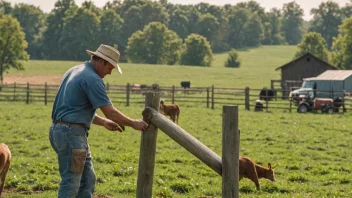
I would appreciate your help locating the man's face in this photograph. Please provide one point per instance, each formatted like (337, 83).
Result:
(104, 68)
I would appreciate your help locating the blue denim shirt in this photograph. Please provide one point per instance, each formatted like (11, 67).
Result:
(81, 92)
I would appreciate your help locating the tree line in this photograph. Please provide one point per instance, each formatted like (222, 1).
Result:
(158, 32)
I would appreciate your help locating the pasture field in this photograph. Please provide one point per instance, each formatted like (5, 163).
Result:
(312, 151)
(257, 68)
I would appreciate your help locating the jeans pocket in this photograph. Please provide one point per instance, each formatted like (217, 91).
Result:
(60, 140)
(78, 160)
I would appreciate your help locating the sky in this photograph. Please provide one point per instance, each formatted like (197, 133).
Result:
(307, 5)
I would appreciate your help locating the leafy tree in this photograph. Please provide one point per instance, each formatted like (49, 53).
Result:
(31, 19)
(55, 23)
(110, 29)
(5, 7)
(208, 26)
(196, 51)
(89, 5)
(292, 22)
(232, 59)
(154, 45)
(314, 43)
(12, 44)
(237, 21)
(273, 33)
(253, 31)
(79, 33)
(342, 46)
(326, 20)
(179, 22)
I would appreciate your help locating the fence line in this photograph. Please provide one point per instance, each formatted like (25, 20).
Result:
(208, 97)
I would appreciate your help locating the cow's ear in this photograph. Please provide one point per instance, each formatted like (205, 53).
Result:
(269, 165)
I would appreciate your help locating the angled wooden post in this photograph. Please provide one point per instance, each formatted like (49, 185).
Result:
(230, 152)
(147, 151)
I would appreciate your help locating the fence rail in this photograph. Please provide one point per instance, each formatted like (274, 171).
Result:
(208, 97)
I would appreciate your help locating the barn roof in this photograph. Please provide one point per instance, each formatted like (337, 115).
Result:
(334, 75)
(302, 57)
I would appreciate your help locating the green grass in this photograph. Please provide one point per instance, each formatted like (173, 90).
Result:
(257, 68)
(312, 150)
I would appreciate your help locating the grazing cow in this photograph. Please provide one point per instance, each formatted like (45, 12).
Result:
(267, 94)
(136, 88)
(5, 157)
(186, 84)
(172, 110)
(253, 171)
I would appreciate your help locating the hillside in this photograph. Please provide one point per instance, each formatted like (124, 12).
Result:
(257, 68)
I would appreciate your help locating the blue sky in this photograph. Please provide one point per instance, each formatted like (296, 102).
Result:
(307, 5)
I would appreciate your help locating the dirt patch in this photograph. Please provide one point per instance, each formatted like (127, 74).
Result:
(53, 79)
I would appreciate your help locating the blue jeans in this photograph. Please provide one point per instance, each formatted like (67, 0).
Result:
(75, 163)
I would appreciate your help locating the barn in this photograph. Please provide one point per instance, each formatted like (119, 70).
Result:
(293, 72)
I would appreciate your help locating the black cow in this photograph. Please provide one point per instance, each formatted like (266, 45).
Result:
(267, 94)
(186, 84)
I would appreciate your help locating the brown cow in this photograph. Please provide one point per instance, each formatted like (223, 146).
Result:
(172, 110)
(254, 172)
(5, 157)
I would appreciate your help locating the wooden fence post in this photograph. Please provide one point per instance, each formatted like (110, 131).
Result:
(14, 91)
(128, 94)
(230, 152)
(212, 97)
(207, 97)
(46, 94)
(173, 94)
(247, 99)
(27, 100)
(147, 151)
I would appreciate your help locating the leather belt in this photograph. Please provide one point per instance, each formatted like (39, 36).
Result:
(70, 124)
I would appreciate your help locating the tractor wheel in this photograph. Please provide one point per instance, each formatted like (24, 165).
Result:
(302, 108)
(330, 110)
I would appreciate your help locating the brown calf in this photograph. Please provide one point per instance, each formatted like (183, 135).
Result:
(5, 157)
(254, 172)
(172, 110)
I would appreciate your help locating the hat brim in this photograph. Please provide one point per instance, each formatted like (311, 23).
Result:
(91, 53)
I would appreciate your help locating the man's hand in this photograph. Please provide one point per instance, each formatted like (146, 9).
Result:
(139, 125)
(112, 126)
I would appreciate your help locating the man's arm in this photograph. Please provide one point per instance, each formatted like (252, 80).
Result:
(108, 124)
(117, 116)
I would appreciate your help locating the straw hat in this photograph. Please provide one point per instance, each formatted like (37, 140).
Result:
(109, 54)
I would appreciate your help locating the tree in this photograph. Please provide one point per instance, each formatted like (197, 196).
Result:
(315, 44)
(12, 45)
(342, 46)
(55, 23)
(156, 44)
(5, 7)
(80, 32)
(292, 22)
(196, 51)
(326, 20)
(31, 19)
(209, 27)
(253, 31)
(237, 21)
(232, 59)
(110, 29)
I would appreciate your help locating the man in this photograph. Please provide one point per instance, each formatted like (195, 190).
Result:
(81, 92)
